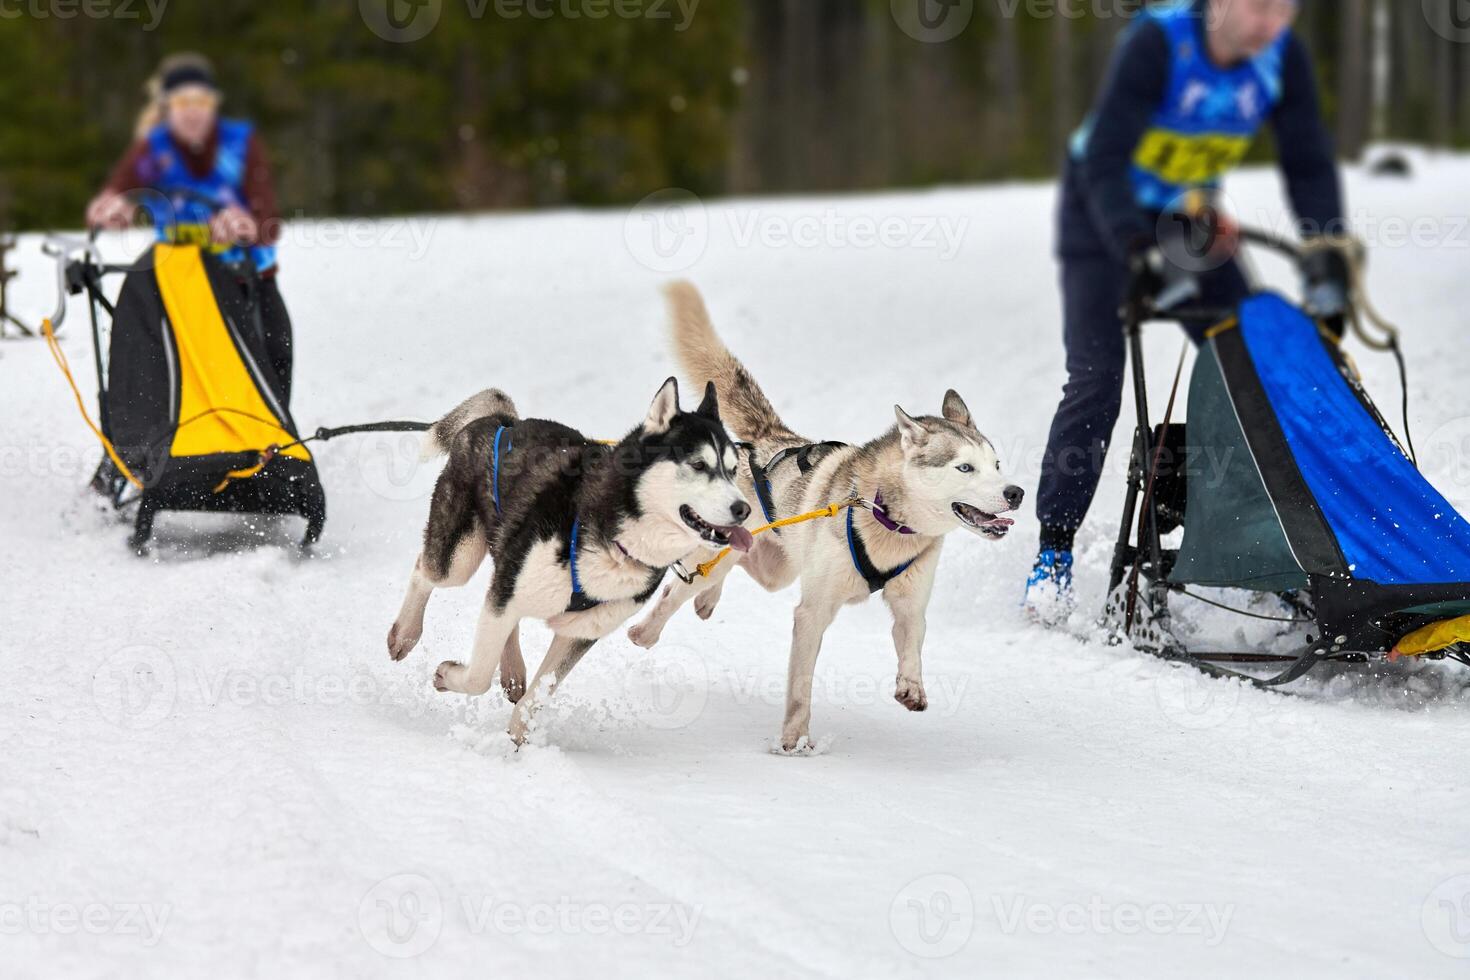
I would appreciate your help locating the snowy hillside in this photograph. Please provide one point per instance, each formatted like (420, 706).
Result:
(212, 768)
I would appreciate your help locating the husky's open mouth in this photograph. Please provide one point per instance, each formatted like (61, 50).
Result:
(987, 524)
(719, 535)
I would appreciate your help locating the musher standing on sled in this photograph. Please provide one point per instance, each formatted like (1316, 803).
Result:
(183, 145)
(1191, 84)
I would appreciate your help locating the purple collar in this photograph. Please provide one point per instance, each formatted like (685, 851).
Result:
(881, 516)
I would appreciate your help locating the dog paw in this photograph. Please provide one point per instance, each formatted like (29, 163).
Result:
(705, 602)
(402, 639)
(794, 743)
(441, 675)
(800, 746)
(644, 635)
(910, 694)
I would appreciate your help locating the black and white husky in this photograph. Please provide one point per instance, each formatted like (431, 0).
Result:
(920, 480)
(580, 532)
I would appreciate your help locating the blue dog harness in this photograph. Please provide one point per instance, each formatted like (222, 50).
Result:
(495, 467)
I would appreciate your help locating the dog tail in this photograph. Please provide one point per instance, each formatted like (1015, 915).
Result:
(704, 357)
(491, 401)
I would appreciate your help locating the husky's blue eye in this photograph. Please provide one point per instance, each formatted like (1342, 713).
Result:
(965, 468)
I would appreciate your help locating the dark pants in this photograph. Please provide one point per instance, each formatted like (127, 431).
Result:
(275, 324)
(1093, 288)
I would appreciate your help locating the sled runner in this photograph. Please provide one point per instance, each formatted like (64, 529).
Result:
(1286, 479)
(192, 414)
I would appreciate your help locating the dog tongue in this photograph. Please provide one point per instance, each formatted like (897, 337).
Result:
(740, 538)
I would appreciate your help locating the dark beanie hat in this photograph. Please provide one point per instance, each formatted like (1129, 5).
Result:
(188, 74)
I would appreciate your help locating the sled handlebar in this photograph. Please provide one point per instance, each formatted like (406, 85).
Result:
(66, 250)
(1191, 313)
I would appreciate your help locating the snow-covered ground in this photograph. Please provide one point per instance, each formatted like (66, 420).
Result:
(212, 768)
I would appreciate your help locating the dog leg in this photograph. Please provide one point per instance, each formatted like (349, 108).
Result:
(561, 657)
(674, 595)
(491, 636)
(908, 598)
(406, 630)
(443, 564)
(813, 616)
(770, 566)
(513, 668)
(706, 601)
(908, 641)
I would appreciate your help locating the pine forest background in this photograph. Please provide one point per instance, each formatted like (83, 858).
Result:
(743, 96)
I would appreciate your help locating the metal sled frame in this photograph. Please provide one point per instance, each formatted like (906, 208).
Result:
(1139, 587)
(80, 269)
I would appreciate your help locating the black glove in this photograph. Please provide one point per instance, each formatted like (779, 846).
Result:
(1155, 283)
(1325, 287)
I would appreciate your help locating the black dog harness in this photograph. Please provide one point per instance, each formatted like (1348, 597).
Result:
(871, 574)
(580, 601)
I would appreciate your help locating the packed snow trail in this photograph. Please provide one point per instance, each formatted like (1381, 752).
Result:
(212, 765)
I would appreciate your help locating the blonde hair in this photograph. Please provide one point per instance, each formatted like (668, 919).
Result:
(152, 112)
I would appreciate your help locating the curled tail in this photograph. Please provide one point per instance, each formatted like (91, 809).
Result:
(491, 401)
(704, 357)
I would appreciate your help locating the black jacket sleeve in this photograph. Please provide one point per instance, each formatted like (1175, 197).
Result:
(1136, 85)
(1304, 148)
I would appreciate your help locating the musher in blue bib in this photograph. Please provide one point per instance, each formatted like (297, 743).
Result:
(1189, 88)
(214, 189)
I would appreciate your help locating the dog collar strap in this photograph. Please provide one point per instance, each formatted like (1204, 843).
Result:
(881, 516)
(634, 558)
(864, 565)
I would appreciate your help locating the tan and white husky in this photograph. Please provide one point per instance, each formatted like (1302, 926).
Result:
(927, 476)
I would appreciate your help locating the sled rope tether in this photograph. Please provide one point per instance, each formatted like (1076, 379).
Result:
(49, 332)
(703, 569)
(266, 455)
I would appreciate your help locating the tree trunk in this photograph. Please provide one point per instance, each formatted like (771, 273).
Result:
(1064, 109)
(1352, 104)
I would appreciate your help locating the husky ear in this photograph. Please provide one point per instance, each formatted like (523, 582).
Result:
(955, 410)
(665, 406)
(911, 431)
(710, 407)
